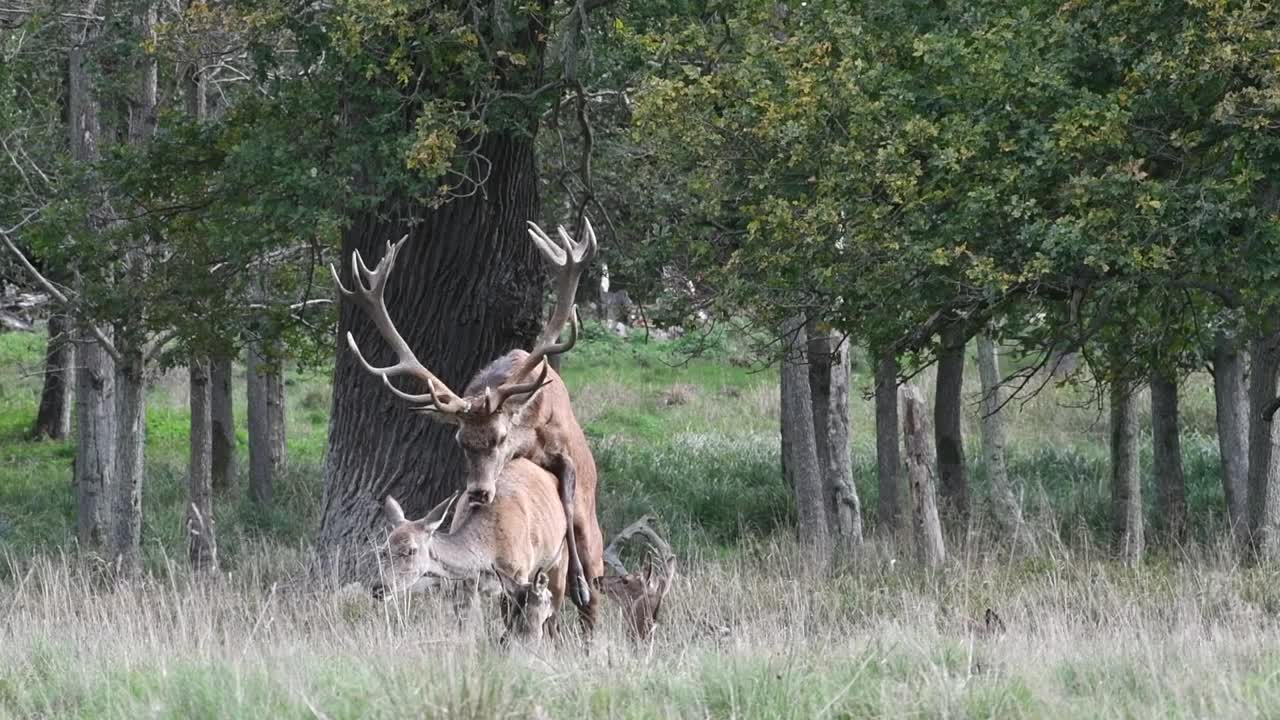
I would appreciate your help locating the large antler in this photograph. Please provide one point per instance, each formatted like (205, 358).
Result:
(370, 286)
(569, 258)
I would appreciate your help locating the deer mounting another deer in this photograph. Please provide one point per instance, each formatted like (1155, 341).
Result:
(639, 593)
(512, 545)
(516, 407)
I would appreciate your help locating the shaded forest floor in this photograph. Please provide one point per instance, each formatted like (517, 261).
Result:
(745, 633)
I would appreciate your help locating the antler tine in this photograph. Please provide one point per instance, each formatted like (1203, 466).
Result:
(369, 295)
(550, 248)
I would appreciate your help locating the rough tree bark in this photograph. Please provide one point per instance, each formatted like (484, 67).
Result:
(1166, 460)
(829, 392)
(952, 473)
(95, 440)
(926, 529)
(1232, 406)
(1126, 482)
(95, 371)
(265, 410)
(53, 419)
(223, 423)
(1008, 508)
(888, 447)
(202, 545)
(1264, 449)
(467, 288)
(799, 447)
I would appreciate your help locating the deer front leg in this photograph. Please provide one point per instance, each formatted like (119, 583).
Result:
(566, 473)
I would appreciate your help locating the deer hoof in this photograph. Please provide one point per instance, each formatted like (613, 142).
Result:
(581, 593)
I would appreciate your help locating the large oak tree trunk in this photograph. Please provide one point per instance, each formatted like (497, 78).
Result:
(888, 446)
(202, 545)
(223, 424)
(53, 419)
(829, 389)
(1126, 481)
(1264, 448)
(799, 447)
(1008, 508)
(467, 288)
(952, 474)
(1166, 462)
(265, 390)
(926, 529)
(1232, 405)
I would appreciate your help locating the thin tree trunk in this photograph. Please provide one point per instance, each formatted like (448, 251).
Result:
(95, 371)
(95, 441)
(926, 529)
(223, 424)
(1126, 484)
(1007, 505)
(1264, 449)
(126, 508)
(800, 445)
(952, 474)
(1171, 488)
(266, 424)
(202, 545)
(888, 447)
(467, 288)
(829, 390)
(53, 419)
(1232, 405)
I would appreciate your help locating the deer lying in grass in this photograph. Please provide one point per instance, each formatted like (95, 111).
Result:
(513, 543)
(507, 411)
(639, 594)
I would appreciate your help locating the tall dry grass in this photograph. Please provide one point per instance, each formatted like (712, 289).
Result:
(749, 635)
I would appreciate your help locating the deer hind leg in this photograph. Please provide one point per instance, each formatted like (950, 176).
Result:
(579, 591)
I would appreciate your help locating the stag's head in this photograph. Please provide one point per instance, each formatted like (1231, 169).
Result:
(528, 605)
(404, 562)
(488, 419)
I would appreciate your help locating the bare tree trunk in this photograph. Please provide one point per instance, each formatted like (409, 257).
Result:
(1171, 488)
(95, 371)
(1264, 448)
(53, 419)
(266, 424)
(888, 448)
(95, 441)
(124, 548)
(829, 389)
(202, 545)
(1007, 505)
(1232, 406)
(223, 423)
(1126, 482)
(952, 473)
(925, 526)
(800, 447)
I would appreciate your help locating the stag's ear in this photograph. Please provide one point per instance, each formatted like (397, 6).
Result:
(435, 518)
(541, 581)
(392, 511)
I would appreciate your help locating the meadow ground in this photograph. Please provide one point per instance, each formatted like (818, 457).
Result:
(747, 631)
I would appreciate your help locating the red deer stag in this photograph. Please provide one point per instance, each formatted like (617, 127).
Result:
(512, 545)
(507, 411)
(639, 594)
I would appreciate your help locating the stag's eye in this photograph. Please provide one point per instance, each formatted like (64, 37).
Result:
(407, 552)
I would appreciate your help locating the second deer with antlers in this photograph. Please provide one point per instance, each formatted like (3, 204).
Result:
(516, 407)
